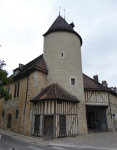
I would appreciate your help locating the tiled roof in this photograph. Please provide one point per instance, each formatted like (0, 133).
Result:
(92, 84)
(54, 91)
(61, 24)
(37, 63)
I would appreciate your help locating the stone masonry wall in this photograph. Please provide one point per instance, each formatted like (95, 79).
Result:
(62, 69)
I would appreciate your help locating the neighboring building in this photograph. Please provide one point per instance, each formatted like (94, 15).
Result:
(50, 98)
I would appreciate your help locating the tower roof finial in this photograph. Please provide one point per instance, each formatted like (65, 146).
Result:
(64, 13)
(59, 10)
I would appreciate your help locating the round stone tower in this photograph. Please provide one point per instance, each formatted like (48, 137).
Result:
(62, 54)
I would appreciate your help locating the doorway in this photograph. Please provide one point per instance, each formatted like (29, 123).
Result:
(96, 118)
(9, 121)
(48, 128)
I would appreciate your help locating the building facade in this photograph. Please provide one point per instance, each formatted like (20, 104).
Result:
(51, 96)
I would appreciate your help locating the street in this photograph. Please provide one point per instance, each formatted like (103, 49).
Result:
(8, 143)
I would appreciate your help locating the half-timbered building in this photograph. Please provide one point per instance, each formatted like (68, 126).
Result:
(54, 113)
(51, 96)
(101, 105)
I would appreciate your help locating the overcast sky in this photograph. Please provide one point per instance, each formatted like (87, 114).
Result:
(23, 22)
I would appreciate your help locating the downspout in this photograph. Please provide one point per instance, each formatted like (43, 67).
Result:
(25, 104)
(110, 112)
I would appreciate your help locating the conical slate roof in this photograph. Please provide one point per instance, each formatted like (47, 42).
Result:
(61, 24)
(54, 92)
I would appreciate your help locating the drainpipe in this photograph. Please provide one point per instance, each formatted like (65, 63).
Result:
(25, 104)
(110, 112)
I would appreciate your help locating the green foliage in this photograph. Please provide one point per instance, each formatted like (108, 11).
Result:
(4, 80)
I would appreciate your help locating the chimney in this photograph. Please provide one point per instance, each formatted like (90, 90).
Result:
(95, 77)
(115, 89)
(72, 25)
(104, 83)
(21, 65)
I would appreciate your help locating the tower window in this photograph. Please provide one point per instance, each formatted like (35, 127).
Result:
(62, 55)
(72, 81)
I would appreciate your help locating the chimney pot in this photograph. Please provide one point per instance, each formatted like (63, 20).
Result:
(95, 77)
(104, 83)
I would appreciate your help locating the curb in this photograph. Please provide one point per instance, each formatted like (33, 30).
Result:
(100, 148)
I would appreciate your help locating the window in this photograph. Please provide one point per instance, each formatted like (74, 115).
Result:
(3, 114)
(62, 54)
(72, 81)
(62, 124)
(16, 117)
(37, 124)
(15, 90)
(18, 89)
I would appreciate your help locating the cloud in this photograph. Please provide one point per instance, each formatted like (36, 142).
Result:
(23, 22)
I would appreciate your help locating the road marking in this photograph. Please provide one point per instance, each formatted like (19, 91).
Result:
(33, 147)
(100, 148)
(52, 144)
(12, 148)
(59, 148)
(65, 145)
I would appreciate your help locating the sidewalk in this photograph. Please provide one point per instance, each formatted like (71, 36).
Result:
(21, 137)
(103, 140)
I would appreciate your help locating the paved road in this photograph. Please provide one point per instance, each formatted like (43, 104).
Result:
(7, 143)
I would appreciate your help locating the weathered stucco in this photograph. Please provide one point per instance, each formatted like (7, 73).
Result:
(36, 81)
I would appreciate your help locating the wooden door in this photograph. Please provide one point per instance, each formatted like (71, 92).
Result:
(48, 128)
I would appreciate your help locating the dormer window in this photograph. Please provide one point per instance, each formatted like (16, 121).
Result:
(17, 70)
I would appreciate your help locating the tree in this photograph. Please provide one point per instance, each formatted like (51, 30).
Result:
(4, 80)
